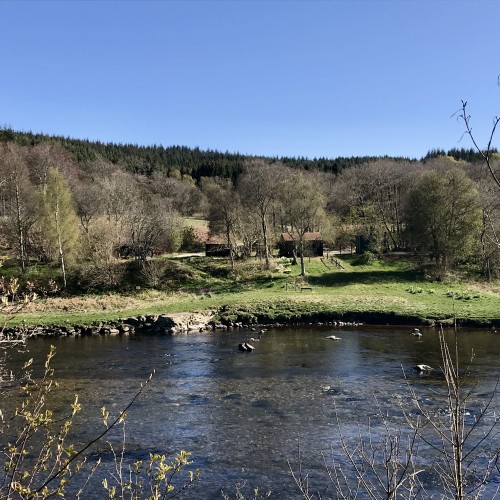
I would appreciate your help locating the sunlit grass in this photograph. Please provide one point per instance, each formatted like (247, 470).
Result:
(201, 284)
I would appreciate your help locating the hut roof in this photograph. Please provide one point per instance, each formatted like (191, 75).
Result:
(200, 234)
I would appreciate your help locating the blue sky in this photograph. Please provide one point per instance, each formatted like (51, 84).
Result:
(275, 78)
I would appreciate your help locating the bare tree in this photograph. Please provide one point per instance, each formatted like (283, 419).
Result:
(89, 204)
(386, 463)
(467, 452)
(185, 196)
(20, 204)
(302, 207)
(153, 224)
(258, 187)
(119, 192)
(382, 464)
(224, 213)
(487, 152)
(490, 240)
(490, 229)
(45, 156)
(371, 198)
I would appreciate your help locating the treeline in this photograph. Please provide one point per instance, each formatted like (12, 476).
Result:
(173, 160)
(469, 155)
(82, 215)
(196, 163)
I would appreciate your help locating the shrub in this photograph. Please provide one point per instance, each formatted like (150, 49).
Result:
(364, 259)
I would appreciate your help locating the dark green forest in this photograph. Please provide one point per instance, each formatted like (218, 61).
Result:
(193, 162)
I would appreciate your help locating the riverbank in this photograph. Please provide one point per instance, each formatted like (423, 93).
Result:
(391, 293)
(234, 318)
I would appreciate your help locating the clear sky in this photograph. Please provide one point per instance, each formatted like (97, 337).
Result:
(275, 78)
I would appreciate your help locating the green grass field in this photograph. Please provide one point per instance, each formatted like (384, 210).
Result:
(391, 288)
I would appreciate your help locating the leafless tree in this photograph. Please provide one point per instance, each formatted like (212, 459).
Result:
(153, 224)
(486, 152)
(388, 463)
(20, 205)
(371, 198)
(302, 203)
(45, 156)
(224, 215)
(490, 240)
(89, 204)
(185, 196)
(259, 186)
(467, 448)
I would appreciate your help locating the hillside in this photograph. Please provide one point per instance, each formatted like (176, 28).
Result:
(193, 162)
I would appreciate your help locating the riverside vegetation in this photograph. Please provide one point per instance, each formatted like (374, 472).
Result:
(71, 211)
(387, 290)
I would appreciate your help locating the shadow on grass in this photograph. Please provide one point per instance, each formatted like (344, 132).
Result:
(364, 277)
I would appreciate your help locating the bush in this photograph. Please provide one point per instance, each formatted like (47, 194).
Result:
(106, 277)
(364, 259)
(153, 271)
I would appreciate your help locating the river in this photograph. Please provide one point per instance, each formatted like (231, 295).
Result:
(244, 416)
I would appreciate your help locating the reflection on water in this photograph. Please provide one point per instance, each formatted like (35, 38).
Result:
(242, 415)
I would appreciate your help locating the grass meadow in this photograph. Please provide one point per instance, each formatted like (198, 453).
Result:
(391, 288)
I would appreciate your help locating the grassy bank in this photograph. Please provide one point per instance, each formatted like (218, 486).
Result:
(381, 292)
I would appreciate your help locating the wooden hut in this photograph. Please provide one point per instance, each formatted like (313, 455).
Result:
(313, 244)
(216, 246)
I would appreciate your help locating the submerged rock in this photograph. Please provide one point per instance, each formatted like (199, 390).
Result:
(246, 347)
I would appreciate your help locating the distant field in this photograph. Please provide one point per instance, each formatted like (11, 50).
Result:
(196, 222)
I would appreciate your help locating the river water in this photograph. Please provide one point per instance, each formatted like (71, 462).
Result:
(244, 416)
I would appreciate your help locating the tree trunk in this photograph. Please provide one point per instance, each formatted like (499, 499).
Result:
(59, 244)
(266, 245)
(302, 265)
(20, 230)
(230, 246)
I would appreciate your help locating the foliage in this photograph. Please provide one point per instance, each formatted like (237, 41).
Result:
(364, 259)
(189, 242)
(470, 155)
(153, 479)
(443, 217)
(39, 460)
(58, 221)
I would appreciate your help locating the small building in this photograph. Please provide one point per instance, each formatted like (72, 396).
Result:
(313, 244)
(216, 246)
